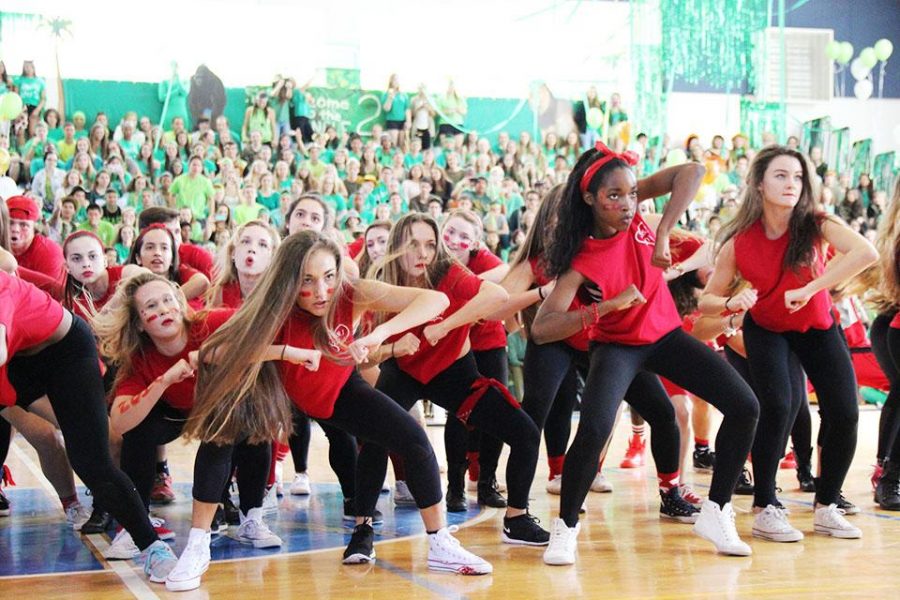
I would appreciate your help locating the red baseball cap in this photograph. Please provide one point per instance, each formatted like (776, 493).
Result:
(23, 208)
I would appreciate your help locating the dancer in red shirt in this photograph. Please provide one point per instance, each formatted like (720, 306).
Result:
(776, 243)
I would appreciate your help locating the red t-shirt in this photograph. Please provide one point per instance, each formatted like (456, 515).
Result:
(460, 286)
(578, 341)
(615, 263)
(315, 392)
(48, 284)
(761, 262)
(185, 272)
(197, 258)
(895, 322)
(486, 335)
(149, 363)
(80, 304)
(355, 247)
(30, 317)
(683, 245)
(44, 256)
(231, 295)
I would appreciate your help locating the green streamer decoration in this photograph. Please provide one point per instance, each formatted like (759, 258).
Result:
(711, 40)
(758, 118)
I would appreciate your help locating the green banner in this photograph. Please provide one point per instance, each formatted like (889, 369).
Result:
(883, 172)
(860, 158)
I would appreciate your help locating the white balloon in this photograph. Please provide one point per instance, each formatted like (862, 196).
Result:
(863, 89)
(8, 188)
(858, 69)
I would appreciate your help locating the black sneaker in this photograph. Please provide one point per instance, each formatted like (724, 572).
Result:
(350, 510)
(846, 506)
(232, 512)
(524, 531)
(704, 459)
(456, 501)
(805, 478)
(219, 524)
(361, 548)
(98, 523)
(4, 505)
(489, 495)
(744, 485)
(673, 506)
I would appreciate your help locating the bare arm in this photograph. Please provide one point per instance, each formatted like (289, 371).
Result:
(517, 284)
(855, 254)
(496, 274)
(715, 299)
(129, 411)
(195, 286)
(683, 182)
(3, 349)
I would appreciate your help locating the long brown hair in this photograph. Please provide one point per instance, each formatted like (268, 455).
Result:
(73, 290)
(365, 261)
(539, 234)
(118, 329)
(239, 394)
(135, 253)
(226, 271)
(4, 226)
(390, 270)
(805, 223)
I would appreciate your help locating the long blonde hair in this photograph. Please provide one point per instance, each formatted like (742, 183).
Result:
(225, 270)
(389, 269)
(240, 395)
(118, 328)
(888, 244)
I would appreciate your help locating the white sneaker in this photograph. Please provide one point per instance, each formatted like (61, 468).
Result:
(445, 553)
(300, 485)
(402, 495)
(159, 562)
(829, 520)
(270, 501)
(279, 478)
(253, 530)
(600, 484)
(563, 540)
(717, 526)
(192, 564)
(554, 486)
(77, 515)
(122, 547)
(772, 524)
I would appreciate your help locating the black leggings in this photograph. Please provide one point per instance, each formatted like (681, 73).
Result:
(5, 440)
(492, 414)
(68, 373)
(688, 363)
(824, 356)
(494, 364)
(163, 424)
(888, 357)
(383, 426)
(342, 451)
(214, 464)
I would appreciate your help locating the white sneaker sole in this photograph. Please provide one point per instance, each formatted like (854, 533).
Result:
(838, 533)
(559, 561)
(514, 542)
(725, 551)
(687, 520)
(787, 537)
(359, 559)
(461, 569)
(184, 585)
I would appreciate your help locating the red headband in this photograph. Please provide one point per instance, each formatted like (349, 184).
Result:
(81, 234)
(629, 157)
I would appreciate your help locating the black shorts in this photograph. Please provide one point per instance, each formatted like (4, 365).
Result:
(448, 129)
(394, 124)
(305, 127)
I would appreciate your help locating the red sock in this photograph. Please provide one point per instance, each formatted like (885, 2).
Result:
(474, 467)
(701, 442)
(667, 480)
(270, 480)
(281, 451)
(69, 501)
(556, 465)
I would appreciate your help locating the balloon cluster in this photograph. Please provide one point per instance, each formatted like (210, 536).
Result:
(10, 106)
(862, 65)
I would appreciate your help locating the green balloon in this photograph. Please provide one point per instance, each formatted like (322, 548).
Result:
(883, 49)
(10, 106)
(833, 50)
(846, 53)
(868, 58)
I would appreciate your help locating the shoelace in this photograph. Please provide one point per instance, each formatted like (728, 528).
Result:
(157, 521)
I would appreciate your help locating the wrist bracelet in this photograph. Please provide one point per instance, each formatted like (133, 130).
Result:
(283, 348)
(727, 300)
(392, 349)
(541, 292)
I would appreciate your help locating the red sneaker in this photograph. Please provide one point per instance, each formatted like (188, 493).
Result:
(163, 532)
(634, 456)
(876, 475)
(789, 461)
(162, 492)
(690, 496)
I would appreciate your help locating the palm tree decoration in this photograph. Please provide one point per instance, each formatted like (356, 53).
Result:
(58, 28)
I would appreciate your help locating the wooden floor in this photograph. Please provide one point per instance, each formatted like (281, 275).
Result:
(624, 550)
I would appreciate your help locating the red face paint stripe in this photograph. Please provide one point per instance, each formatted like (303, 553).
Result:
(306, 294)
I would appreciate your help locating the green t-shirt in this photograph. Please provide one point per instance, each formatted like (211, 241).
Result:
(336, 202)
(316, 170)
(271, 201)
(244, 213)
(193, 193)
(30, 89)
(301, 106)
(106, 231)
(409, 160)
(398, 107)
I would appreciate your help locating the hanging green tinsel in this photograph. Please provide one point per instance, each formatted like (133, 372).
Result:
(711, 40)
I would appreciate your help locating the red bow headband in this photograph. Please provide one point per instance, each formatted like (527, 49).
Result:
(629, 157)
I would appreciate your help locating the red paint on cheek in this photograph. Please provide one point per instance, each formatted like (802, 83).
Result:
(306, 294)
(446, 238)
(152, 318)
(463, 245)
(330, 290)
